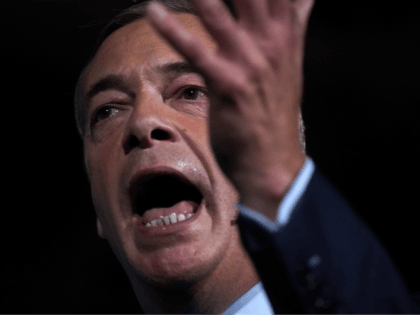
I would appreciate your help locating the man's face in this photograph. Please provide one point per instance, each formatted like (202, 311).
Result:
(149, 117)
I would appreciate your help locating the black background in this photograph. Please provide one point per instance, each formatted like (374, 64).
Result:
(360, 109)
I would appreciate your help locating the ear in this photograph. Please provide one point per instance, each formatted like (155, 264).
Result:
(100, 229)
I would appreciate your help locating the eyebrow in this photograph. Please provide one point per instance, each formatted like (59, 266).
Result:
(176, 68)
(119, 82)
(110, 82)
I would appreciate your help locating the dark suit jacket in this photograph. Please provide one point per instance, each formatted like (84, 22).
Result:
(325, 259)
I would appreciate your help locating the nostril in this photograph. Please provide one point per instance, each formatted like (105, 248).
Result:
(145, 142)
(159, 134)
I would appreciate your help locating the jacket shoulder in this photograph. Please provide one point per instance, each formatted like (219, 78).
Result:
(325, 259)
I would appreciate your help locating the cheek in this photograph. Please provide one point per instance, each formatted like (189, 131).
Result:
(109, 131)
(197, 128)
(102, 164)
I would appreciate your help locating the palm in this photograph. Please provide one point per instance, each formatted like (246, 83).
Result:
(254, 79)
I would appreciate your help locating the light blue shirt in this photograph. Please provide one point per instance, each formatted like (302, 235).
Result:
(255, 301)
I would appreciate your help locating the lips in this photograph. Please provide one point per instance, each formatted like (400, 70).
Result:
(161, 188)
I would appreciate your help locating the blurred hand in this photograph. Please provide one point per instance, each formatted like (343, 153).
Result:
(255, 86)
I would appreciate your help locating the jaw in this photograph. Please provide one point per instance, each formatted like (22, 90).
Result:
(211, 288)
(178, 257)
(200, 257)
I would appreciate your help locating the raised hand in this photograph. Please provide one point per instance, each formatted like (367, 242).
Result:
(255, 85)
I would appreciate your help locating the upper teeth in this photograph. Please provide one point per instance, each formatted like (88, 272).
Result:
(170, 219)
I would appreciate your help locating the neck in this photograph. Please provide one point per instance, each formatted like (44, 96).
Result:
(212, 294)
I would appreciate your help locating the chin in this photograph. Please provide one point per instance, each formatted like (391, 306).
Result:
(175, 269)
(172, 279)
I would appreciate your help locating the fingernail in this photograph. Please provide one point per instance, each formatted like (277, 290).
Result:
(158, 11)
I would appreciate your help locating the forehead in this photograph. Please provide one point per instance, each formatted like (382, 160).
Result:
(136, 47)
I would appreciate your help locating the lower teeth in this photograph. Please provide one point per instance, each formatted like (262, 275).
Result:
(170, 219)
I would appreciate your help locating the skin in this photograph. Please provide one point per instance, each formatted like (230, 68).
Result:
(255, 80)
(208, 265)
(203, 269)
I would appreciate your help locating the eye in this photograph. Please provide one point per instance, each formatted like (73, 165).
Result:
(103, 113)
(192, 93)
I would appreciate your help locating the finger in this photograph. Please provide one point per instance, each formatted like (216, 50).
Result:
(221, 74)
(303, 10)
(252, 14)
(221, 25)
(183, 41)
(234, 42)
(280, 9)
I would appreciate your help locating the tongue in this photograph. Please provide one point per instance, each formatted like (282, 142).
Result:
(185, 207)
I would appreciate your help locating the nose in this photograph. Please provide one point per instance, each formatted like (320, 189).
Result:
(147, 131)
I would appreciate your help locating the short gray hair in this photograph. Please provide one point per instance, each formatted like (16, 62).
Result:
(127, 16)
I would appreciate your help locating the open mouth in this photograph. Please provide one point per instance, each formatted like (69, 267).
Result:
(162, 191)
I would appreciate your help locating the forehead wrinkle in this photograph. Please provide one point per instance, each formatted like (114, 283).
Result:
(176, 68)
(147, 75)
(113, 81)
(137, 44)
